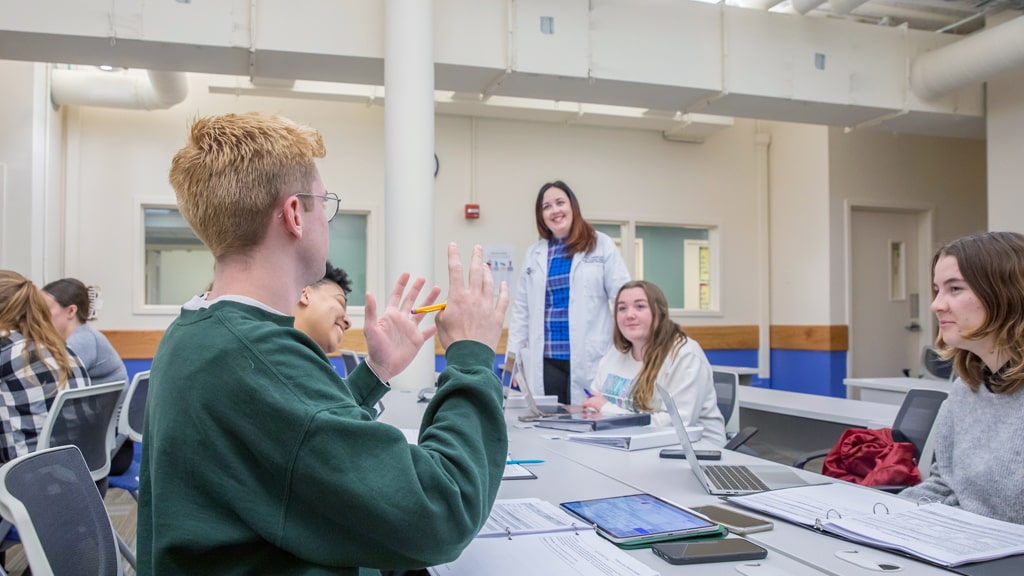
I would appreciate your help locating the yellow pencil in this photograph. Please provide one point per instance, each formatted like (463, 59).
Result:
(425, 309)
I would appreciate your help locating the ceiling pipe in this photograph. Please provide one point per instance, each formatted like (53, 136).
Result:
(158, 91)
(805, 6)
(972, 60)
(761, 4)
(844, 6)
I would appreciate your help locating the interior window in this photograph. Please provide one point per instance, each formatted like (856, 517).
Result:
(681, 260)
(178, 266)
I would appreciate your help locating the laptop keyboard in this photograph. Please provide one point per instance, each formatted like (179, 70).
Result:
(726, 477)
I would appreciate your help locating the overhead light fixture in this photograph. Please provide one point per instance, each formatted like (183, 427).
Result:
(673, 124)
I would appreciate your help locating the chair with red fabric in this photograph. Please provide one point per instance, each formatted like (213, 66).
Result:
(913, 424)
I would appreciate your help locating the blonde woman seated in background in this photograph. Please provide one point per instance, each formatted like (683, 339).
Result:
(649, 348)
(35, 365)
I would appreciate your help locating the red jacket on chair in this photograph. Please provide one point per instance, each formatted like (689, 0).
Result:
(872, 458)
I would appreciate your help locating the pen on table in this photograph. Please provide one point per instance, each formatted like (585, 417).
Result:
(524, 461)
(425, 309)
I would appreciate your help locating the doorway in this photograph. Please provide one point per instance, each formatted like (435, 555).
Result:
(888, 282)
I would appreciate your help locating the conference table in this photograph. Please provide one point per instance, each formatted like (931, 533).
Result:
(890, 390)
(575, 471)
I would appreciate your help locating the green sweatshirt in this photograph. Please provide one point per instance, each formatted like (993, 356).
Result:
(258, 458)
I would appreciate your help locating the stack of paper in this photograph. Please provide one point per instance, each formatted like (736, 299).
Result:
(638, 438)
(532, 536)
(941, 534)
(590, 421)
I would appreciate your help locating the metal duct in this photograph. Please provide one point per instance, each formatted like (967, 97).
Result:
(158, 91)
(805, 6)
(972, 60)
(844, 6)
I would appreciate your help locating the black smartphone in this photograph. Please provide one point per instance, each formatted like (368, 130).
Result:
(681, 454)
(736, 522)
(727, 550)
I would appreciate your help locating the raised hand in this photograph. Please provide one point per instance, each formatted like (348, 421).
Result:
(472, 312)
(393, 339)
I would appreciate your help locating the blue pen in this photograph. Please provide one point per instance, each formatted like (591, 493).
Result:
(524, 462)
(588, 392)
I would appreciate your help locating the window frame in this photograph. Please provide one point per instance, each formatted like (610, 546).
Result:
(714, 263)
(139, 305)
(141, 203)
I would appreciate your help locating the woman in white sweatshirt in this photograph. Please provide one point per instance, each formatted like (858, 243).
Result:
(649, 348)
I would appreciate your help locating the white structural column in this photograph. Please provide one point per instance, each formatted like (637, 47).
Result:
(763, 140)
(409, 159)
(1005, 131)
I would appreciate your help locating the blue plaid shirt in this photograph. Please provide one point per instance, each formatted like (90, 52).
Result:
(27, 390)
(556, 302)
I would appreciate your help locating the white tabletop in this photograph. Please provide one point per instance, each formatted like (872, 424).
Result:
(562, 479)
(672, 480)
(899, 384)
(815, 407)
(737, 369)
(573, 471)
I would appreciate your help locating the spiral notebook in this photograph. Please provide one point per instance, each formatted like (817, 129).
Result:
(533, 536)
(932, 532)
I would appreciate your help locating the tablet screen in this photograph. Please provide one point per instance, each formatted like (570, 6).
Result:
(637, 516)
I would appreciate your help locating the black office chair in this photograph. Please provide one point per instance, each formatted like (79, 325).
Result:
(86, 418)
(351, 360)
(49, 495)
(913, 424)
(726, 384)
(726, 391)
(933, 366)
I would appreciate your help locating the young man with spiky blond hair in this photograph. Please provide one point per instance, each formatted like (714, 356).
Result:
(257, 458)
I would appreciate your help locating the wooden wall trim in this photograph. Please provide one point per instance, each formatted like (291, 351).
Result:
(142, 344)
(135, 344)
(724, 337)
(815, 338)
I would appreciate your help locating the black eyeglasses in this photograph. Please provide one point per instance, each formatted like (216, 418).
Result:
(331, 203)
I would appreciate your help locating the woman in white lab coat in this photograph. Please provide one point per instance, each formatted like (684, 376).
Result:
(561, 313)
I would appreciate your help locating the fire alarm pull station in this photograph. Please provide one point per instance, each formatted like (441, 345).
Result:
(472, 211)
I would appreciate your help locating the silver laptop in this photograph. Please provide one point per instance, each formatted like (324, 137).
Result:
(726, 479)
(536, 411)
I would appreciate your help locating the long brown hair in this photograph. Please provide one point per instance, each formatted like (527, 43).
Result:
(582, 236)
(992, 265)
(23, 308)
(665, 339)
(68, 291)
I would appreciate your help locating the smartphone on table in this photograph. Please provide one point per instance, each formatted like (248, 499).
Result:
(681, 454)
(737, 522)
(727, 550)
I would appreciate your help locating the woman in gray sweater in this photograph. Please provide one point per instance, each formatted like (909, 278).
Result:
(71, 308)
(979, 304)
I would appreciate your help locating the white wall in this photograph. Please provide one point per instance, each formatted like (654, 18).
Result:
(117, 158)
(947, 173)
(798, 212)
(121, 157)
(1005, 125)
(30, 169)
